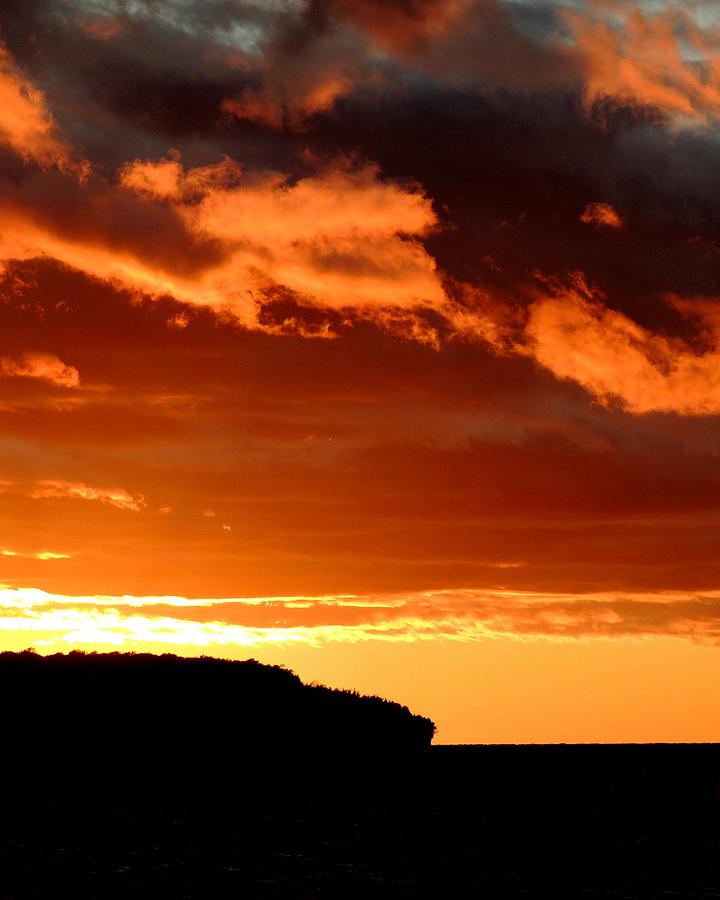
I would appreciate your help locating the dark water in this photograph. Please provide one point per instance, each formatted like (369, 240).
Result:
(560, 822)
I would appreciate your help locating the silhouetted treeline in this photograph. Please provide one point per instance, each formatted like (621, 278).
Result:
(170, 712)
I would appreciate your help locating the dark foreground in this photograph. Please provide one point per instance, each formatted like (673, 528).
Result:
(453, 822)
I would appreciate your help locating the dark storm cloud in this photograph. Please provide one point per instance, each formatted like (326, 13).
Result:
(153, 73)
(143, 83)
(513, 169)
(513, 175)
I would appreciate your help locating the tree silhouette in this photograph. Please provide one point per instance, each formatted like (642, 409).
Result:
(94, 710)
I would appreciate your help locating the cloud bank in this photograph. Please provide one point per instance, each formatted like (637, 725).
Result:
(416, 297)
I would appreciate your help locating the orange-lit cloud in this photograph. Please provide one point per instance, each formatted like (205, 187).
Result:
(340, 238)
(295, 99)
(576, 337)
(663, 58)
(398, 25)
(45, 366)
(601, 214)
(26, 125)
(166, 179)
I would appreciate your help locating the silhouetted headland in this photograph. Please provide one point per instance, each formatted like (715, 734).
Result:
(124, 707)
(138, 776)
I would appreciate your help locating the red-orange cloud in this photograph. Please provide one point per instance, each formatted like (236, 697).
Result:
(601, 214)
(663, 59)
(44, 366)
(341, 238)
(26, 125)
(399, 25)
(293, 99)
(618, 361)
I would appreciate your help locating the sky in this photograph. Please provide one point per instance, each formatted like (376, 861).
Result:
(375, 338)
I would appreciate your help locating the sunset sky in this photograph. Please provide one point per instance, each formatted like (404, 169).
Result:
(377, 338)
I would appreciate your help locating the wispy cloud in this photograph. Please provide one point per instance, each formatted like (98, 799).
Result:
(41, 554)
(117, 497)
(45, 366)
(450, 615)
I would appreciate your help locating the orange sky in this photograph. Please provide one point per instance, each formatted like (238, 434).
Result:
(375, 339)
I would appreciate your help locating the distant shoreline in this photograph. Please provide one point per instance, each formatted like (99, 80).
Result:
(581, 744)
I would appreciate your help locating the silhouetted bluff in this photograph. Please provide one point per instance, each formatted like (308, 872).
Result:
(100, 709)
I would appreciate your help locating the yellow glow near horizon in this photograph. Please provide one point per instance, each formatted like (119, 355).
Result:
(460, 615)
(571, 679)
